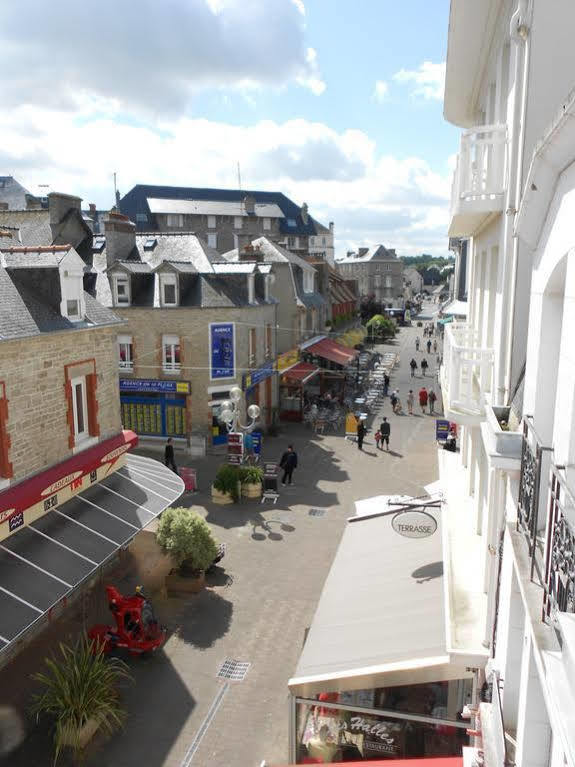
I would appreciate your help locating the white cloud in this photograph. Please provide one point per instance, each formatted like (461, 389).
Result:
(154, 59)
(371, 197)
(427, 82)
(380, 91)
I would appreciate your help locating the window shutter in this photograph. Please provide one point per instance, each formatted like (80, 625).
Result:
(6, 469)
(70, 414)
(91, 386)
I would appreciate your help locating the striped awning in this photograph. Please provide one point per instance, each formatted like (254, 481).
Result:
(43, 562)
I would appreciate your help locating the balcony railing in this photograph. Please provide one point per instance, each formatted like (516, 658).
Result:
(467, 370)
(559, 593)
(479, 178)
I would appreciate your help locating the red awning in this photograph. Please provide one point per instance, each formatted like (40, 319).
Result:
(301, 373)
(436, 761)
(30, 491)
(332, 351)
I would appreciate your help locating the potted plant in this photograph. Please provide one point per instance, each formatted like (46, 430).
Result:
(226, 486)
(80, 694)
(187, 538)
(251, 478)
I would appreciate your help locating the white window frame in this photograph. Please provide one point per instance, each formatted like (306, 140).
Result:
(80, 383)
(251, 288)
(308, 281)
(211, 222)
(269, 340)
(126, 365)
(212, 239)
(175, 220)
(238, 222)
(168, 279)
(171, 342)
(267, 223)
(252, 346)
(123, 278)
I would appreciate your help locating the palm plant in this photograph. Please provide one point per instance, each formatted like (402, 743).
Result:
(80, 685)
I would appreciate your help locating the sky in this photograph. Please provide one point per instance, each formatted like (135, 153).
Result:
(337, 104)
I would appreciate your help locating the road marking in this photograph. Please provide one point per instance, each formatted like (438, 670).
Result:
(216, 703)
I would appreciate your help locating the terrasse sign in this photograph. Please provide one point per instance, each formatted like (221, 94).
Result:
(414, 523)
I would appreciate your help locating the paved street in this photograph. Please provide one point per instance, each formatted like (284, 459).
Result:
(258, 605)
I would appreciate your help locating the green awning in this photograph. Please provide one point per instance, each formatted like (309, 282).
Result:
(445, 320)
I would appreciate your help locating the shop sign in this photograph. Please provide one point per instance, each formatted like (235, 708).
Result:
(414, 523)
(287, 360)
(256, 376)
(441, 429)
(153, 386)
(222, 350)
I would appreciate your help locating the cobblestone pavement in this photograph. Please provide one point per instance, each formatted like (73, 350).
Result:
(257, 606)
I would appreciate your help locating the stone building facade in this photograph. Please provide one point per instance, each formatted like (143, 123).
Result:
(378, 272)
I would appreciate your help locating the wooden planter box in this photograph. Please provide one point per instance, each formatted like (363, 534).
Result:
(252, 490)
(185, 584)
(221, 498)
(80, 739)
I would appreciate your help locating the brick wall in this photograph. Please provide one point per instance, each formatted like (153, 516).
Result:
(33, 372)
(147, 326)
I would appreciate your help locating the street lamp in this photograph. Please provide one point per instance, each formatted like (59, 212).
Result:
(230, 412)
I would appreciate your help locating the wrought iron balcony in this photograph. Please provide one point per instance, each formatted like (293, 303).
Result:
(466, 374)
(559, 593)
(479, 178)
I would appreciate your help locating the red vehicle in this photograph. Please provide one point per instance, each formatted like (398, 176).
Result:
(136, 629)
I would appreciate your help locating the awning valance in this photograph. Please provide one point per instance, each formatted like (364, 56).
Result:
(41, 563)
(300, 373)
(332, 351)
(438, 761)
(380, 620)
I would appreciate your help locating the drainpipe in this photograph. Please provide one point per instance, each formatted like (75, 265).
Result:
(519, 32)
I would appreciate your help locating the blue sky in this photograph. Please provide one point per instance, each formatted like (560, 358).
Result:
(335, 103)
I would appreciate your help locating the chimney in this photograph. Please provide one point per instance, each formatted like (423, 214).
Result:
(331, 226)
(92, 209)
(118, 200)
(304, 213)
(120, 237)
(59, 204)
(249, 204)
(244, 242)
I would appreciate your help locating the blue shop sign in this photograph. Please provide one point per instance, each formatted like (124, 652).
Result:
(256, 376)
(151, 385)
(441, 429)
(222, 350)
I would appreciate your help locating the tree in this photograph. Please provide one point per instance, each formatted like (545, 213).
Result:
(380, 327)
(187, 539)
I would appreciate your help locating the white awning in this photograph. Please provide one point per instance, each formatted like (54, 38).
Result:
(380, 620)
(455, 308)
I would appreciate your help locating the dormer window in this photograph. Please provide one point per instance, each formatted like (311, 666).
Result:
(169, 289)
(72, 303)
(122, 290)
(98, 244)
(308, 282)
(73, 309)
(150, 243)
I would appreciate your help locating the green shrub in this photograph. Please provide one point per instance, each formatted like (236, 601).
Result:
(251, 475)
(227, 478)
(187, 538)
(80, 684)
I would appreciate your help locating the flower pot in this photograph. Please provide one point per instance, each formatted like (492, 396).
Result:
(79, 738)
(176, 583)
(252, 490)
(221, 498)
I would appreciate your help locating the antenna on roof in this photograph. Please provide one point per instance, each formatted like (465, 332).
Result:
(116, 194)
(239, 177)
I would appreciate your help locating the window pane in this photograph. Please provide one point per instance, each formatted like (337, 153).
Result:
(72, 308)
(169, 294)
(79, 402)
(176, 353)
(168, 348)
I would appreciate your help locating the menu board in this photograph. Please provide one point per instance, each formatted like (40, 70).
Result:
(142, 418)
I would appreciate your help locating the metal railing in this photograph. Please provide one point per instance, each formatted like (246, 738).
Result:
(559, 584)
(468, 369)
(480, 169)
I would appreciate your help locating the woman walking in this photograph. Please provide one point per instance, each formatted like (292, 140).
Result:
(432, 396)
(424, 366)
(410, 401)
(423, 399)
(413, 366)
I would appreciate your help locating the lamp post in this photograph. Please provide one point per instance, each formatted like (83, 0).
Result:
(230, 413)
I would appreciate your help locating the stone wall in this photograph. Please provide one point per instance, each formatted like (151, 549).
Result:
(33, 371)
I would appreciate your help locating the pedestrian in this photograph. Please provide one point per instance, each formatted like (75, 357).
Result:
(417, 344)
(423, 398)
(169, 458)
(288, 463)
(424, 366)
(385, 431)
(398, 409)
(425, 332)
(435, 345)
(413, 366)
(377, 438)
(429, 345)
(393, 400)
(360, 433)
(431, 396)
(385, 384)
(410, 401)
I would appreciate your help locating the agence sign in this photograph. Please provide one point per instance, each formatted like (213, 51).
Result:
(414, 523)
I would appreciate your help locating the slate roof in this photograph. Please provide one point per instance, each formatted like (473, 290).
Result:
(273, 253)
(17, 196)
(136, 201)
(28, 227)
(375, 253)
(133, 267)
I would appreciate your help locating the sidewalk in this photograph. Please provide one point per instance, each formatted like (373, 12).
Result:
(256, 609)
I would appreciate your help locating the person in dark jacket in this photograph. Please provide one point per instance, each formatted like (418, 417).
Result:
(288, 463)
(169, 458)
(385, 431)
(360, 433)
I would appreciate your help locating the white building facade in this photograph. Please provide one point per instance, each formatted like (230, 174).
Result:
(508, 374)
